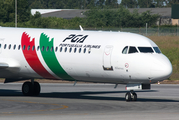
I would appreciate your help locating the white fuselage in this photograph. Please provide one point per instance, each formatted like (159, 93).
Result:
(81, 56)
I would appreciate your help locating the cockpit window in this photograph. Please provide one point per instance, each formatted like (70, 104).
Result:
(132, 50)
(124, 51)
(145, 49)
(157, 50)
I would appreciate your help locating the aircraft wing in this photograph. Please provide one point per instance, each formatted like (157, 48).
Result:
(4, 65)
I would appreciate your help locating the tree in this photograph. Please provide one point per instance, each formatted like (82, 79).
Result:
(90, 4)
(171, 2)
(100, 3)
(35, 4)
(7, 11)
(159, 3)
(3, 12)
(145, 3)
(111, 3)
(129, 3)
(121, 17)
(23, 11)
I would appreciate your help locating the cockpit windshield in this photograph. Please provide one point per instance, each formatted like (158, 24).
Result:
(157, 50)
(145, 49)
(133, 49)
(129, 50)
(124, 51)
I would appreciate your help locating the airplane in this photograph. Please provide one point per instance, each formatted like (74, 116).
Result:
(80, 55)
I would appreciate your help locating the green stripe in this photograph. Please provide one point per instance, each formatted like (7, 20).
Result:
(50, 58)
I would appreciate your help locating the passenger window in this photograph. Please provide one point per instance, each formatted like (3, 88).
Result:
(84, 50)
(61, 49)
(80, 50)
(38, 48)
(56, 49)
(70, 50)
(33, 48)
(124, 51)
(51, 49)
(10, 46)
(75, 50)
(42, 48)
(0, 45)
(28, 48)
(89, 51)
(65, 49)
(132, 50)
(14, 47)
(24, 47)
(19, 47)
(5, 46)
(47, 48)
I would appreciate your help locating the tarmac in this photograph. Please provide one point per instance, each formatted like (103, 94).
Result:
(88, 102)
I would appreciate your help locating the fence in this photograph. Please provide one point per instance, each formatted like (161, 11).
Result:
(160, 31)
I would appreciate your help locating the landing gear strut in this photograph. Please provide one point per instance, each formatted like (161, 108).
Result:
(131, 96)
(31, 88)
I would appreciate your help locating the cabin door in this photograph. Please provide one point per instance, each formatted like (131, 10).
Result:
(107, 58)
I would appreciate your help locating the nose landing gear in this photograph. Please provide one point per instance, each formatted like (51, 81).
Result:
(131, 96)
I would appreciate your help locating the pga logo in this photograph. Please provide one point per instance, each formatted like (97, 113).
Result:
(76, 38)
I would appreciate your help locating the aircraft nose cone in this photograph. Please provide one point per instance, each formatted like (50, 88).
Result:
(161, 68)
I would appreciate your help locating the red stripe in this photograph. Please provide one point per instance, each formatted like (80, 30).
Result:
(32, 58)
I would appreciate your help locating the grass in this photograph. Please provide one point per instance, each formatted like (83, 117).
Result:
(169, 45)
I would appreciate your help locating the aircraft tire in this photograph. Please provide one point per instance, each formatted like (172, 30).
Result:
(27, 88)
(128, 97)
(37, 89)
(134, 96)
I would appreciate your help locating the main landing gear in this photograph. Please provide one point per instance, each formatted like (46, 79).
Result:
(131, 96)
(31, 88)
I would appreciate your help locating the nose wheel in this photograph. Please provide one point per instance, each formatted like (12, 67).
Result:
(131, 96)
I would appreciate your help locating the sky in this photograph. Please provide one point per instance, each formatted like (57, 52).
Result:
(119, 1)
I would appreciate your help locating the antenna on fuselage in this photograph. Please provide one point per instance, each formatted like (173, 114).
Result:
(81, 28)
(115, 86)
(75, 83)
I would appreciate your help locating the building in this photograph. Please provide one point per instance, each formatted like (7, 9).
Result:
(175, 14)
(61, 13)
(165, 13)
